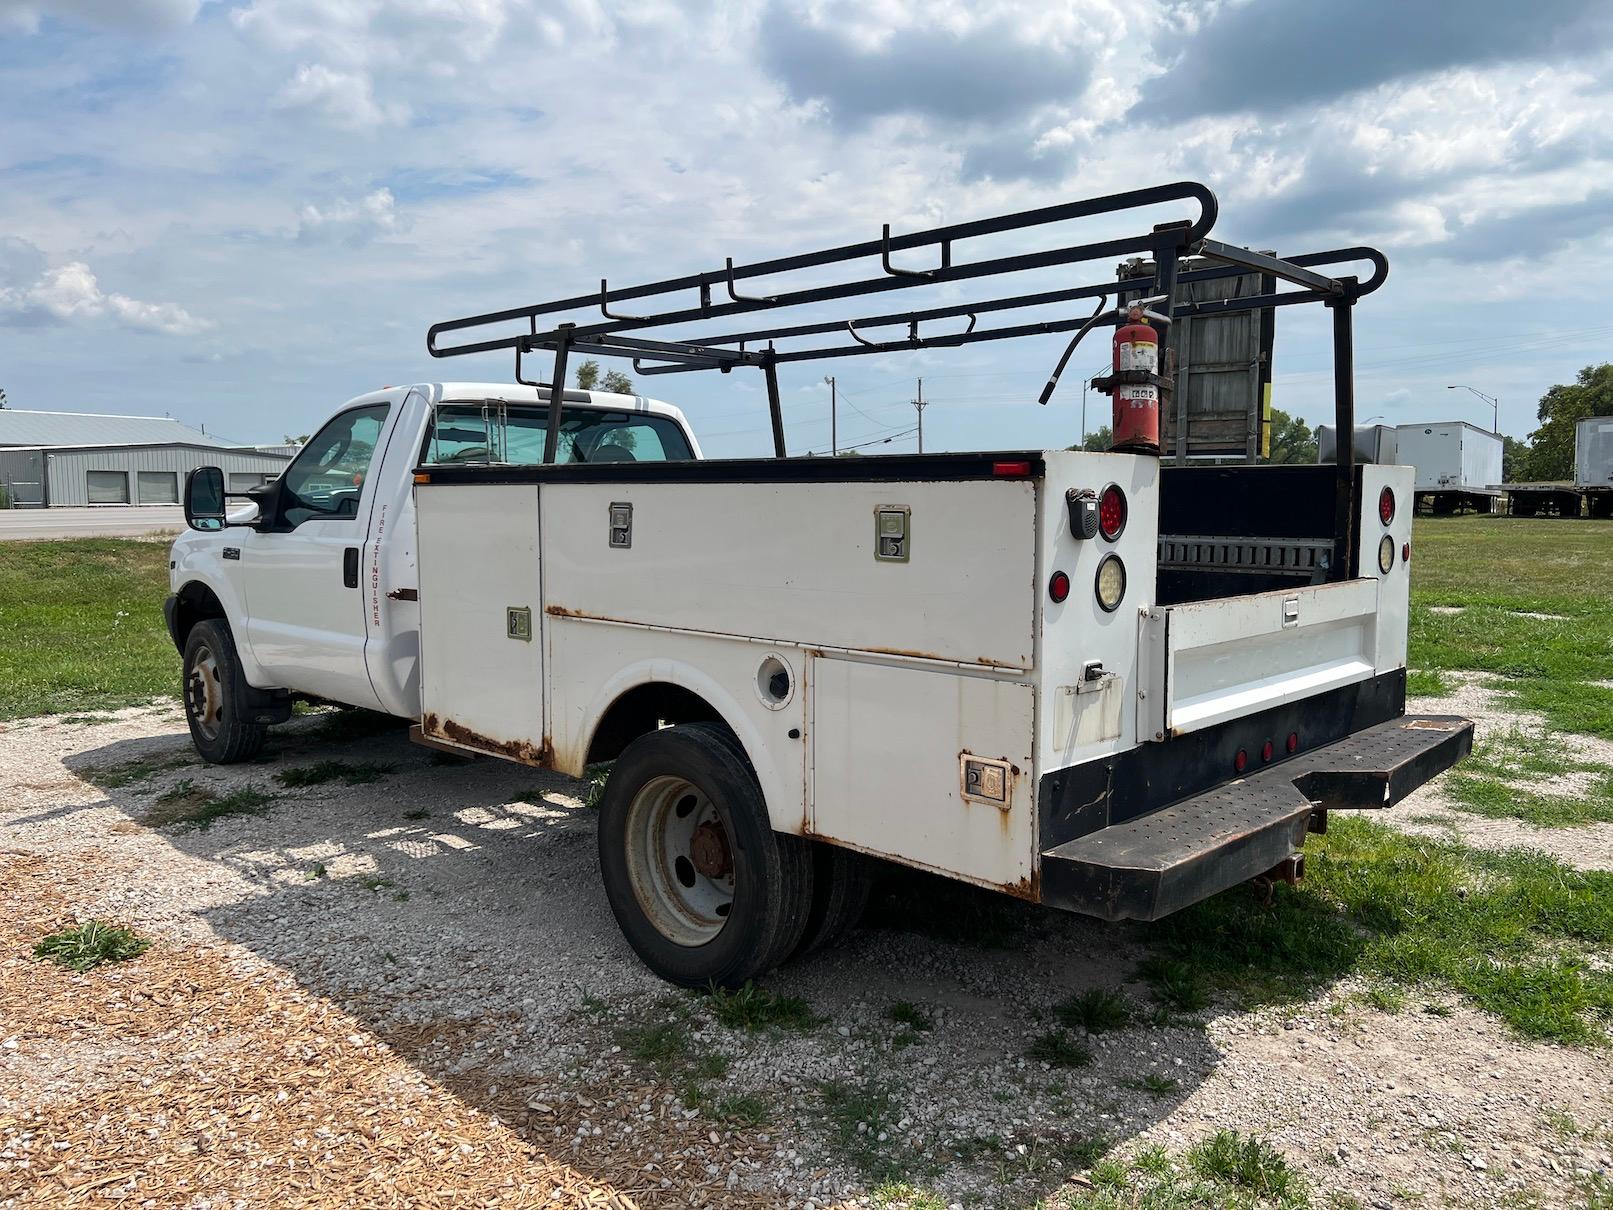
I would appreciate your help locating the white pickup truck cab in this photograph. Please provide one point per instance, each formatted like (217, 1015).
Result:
(1086, 680)
(316, 577)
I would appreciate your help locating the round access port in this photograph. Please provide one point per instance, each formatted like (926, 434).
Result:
(774, 683)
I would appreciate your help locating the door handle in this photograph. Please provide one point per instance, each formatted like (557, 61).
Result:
(350, 567)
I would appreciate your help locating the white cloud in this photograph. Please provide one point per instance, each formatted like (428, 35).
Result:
(144, 15)
(349, 222)
(345, 99)
(70, 294)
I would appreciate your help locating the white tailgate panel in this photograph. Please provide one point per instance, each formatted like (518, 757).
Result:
(1232, 657)
(886, 743)
(479, 557)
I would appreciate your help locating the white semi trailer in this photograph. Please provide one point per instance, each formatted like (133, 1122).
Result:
(1085, 680)
(1458, 464)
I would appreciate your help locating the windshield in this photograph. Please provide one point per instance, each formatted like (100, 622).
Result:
(494, 431)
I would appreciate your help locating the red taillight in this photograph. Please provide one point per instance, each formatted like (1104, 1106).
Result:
(1266, 750)
(1240, 762)
(1011, 470)
(1386, 506)
(1058, 587)
(1293, 742)
(1111, 512)
(1405, 552)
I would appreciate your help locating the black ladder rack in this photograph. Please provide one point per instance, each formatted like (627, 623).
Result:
(719, 294)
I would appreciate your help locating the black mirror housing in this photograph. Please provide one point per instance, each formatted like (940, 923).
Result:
(204, 499)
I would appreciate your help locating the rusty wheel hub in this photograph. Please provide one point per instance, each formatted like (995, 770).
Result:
(708, 849)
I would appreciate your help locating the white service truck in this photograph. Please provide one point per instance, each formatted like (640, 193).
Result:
(1084, 679)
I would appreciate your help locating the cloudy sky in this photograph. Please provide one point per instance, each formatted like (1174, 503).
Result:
(242, 212)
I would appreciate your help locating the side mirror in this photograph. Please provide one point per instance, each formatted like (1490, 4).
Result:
(204, 499)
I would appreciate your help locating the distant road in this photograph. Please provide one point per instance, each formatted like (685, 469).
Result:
(106, 522)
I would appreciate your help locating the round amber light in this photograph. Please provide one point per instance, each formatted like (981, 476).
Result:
(1111, 582)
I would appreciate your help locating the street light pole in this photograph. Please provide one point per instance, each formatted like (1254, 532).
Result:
(834, 449)
(1495, 404)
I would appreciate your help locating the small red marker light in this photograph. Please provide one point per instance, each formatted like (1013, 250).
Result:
(1011, 470)
(1058, 587)
(1266, 750)
(1293, 742)
(1405, 552)
(1240, 762)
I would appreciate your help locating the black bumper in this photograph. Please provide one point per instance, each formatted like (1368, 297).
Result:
(1170, 858)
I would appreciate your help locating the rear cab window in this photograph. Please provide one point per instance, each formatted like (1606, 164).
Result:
(489, 431)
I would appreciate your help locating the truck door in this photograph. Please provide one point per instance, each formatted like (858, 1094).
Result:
(303, 573)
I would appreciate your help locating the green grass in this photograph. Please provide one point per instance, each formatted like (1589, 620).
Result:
(86, 946)
(751, 1008)
(1497, 569)
(1422, 682)
(1501, 780)
(911, 1016)
(192, 807)
(351, 773)
(1245, 1163)
(1223, 1172)
(855, 1114)
(1515, 933)
(743, 1109)
(81, 626)
(1095, 1010)
(1059, 1048)
(141, 768)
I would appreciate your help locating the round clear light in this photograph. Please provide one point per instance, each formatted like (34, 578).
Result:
(1111, 582)
(1386, 554)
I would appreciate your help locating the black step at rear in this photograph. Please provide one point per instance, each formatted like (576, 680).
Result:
(1171, 858)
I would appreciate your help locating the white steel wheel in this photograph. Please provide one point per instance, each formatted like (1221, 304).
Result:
(204, 692)
(704, 890)
(680, 860)
(214, 693)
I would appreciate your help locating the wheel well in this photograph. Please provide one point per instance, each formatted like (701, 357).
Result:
(196, 603)
(643, 709)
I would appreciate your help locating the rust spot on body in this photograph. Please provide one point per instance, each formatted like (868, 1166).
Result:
(560, 611)
(519, 750)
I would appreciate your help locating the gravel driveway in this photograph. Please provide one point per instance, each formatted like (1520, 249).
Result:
(411, 990)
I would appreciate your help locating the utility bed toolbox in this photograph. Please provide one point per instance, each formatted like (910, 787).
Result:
(1171, 858)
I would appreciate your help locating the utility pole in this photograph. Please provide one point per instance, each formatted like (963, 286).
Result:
(834, 449)
(919, 404)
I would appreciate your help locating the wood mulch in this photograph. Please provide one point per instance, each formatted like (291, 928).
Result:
(195, 1076)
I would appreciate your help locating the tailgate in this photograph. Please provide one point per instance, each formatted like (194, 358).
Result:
(1209, 661)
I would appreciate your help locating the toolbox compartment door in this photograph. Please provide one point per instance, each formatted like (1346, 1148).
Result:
(1209, 661)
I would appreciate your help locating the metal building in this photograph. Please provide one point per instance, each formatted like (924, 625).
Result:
(58, 459)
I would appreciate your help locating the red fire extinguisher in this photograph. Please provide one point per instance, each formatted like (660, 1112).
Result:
(1136, 404)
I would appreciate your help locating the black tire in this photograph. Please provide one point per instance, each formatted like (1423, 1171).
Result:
(214, 693)
(701, 765)
(842, 881)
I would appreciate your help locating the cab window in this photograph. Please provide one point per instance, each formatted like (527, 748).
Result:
(514, 435)
(325, 481)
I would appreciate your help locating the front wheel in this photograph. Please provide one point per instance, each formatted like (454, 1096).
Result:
(702, 887)
(215, 697)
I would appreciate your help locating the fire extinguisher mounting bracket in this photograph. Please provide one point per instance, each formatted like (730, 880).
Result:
(1144, 378)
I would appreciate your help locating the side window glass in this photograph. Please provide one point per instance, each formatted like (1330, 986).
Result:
(327, 478)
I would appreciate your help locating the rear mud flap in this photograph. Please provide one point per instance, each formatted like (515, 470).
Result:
(1169, 859)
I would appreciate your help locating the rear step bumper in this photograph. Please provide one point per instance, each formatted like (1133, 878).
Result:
(1169, 859)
